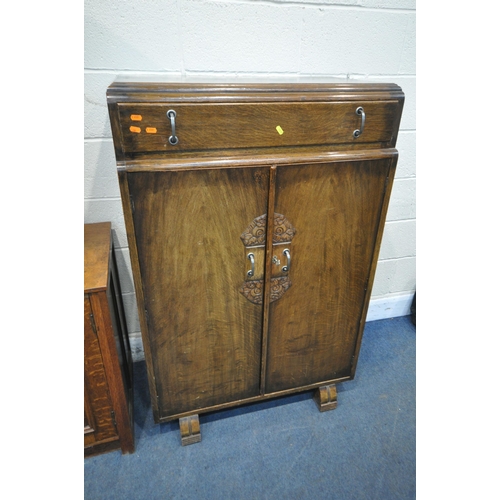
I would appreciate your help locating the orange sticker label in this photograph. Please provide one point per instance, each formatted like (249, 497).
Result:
(151, 130)
(137, 130)
(136, 118)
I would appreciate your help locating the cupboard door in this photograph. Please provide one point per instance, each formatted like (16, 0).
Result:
(335, 209)
(204, 333)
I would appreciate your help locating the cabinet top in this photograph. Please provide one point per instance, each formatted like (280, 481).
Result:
(303, 89)
(97, 239)
(162, 119)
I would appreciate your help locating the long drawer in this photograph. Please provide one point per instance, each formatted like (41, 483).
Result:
(150, 127)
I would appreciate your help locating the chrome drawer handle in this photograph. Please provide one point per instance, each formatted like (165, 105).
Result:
(252, 265)
(173, 139)
(358, 132)
(286, 253)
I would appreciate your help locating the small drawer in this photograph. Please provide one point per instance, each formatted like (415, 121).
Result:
(146, 128)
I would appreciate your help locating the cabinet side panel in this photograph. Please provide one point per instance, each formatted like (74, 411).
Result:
(314, 327)
(204, 335)
(98, 407)
(134, 260)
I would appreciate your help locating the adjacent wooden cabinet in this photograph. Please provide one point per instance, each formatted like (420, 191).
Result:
(254, 216)
(108, 407)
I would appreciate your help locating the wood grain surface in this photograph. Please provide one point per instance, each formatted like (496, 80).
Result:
(233, 115)
(107, 358)
(206, 337)
(313, 329)
(96, 256)
(226, 126)
(98, 422)
(213, 336)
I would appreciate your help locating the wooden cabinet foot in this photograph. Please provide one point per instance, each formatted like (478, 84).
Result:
(190, 430)
(326, 397)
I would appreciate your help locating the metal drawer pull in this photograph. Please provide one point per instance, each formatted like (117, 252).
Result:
(173, 139)
(358, 132)
(286, 253)
(252, 265)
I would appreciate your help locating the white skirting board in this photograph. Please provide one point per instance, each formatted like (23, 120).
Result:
(389, 307)
(136, 347)
(381, 308)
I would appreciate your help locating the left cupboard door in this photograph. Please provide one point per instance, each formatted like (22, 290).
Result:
(204, 336)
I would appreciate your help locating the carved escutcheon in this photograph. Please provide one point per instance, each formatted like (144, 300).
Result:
(255, 236)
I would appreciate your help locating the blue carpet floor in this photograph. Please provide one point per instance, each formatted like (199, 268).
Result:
(285, 448)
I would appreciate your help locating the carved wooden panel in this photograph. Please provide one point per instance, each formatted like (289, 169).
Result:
(254, 239)
(253, 291)
(283, 229)
(255, 233)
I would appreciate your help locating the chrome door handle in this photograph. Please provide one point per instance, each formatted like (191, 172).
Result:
(252, 265)
(173, 139)
(358, 132)
(286, 253)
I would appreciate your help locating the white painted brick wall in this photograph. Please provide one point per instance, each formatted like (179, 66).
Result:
(362, 39)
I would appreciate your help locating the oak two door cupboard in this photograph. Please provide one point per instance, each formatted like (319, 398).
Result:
(254, 217)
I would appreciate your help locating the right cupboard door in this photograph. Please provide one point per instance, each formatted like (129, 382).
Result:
(336, 209)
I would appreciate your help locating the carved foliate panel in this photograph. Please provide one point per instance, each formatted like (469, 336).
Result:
(283, 230)
(253, 291)
(254, 239)
(255, 233)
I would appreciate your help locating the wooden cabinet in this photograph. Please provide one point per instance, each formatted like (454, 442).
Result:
(254, 215)
(108, 407)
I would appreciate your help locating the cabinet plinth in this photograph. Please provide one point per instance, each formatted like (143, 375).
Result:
(254, 217)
